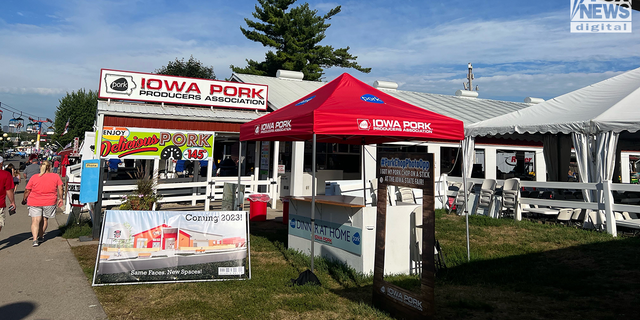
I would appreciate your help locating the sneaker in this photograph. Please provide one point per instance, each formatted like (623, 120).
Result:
(35, 243)
(41, 240)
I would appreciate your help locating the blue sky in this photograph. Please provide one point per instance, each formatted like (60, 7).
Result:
(518, 49)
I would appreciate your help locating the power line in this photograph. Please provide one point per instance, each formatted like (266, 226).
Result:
(15, 110)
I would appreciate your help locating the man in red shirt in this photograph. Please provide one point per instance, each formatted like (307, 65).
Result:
(6, 189)
(56, 165)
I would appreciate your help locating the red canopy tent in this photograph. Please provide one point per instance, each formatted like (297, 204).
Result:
(346, 110)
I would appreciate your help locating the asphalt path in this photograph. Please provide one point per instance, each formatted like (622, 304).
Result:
(44, 282)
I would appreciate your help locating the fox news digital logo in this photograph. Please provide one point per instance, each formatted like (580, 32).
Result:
(601, 16)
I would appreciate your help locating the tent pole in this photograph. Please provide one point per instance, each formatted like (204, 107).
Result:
(464, 188)
(364, 178)
(313, 197)
(238, 200)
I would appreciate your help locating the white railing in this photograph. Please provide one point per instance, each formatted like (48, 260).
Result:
(183, 191)
(608, 205)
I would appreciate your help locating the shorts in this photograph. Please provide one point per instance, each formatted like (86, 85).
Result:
(45, 211)
(1, 217)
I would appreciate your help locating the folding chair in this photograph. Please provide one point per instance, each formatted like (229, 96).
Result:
(577, 218)
(564, 216)
(406, 195)
(459, 202)
(510, 198)
(595, 216)
(373, 183)
(485, 200)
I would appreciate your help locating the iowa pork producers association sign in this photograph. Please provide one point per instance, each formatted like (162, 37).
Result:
(128, 85)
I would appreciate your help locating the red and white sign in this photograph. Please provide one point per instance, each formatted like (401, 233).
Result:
(128, 85)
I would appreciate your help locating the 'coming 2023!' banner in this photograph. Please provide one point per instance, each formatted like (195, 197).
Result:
(172, 246)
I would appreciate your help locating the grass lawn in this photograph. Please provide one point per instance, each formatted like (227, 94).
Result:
(519, 270)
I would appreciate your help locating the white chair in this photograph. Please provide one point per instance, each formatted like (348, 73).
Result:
(459, 202)
(391, 195)
(510, 192)
(373, 183)
(577, 218)
(598, 219)
(564, 216)
(406, 195)
(485, 200)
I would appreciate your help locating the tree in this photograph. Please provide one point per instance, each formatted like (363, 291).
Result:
(294, 34)
(79, 108)
(192, 68)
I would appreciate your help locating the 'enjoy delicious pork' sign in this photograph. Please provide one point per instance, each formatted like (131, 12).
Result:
(128, 85)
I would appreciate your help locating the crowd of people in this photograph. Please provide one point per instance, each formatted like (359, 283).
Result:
(43, 192)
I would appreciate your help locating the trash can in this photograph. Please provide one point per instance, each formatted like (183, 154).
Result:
(258, 206)
(285, 210)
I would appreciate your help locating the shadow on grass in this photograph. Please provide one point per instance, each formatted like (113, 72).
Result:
(271, 230)
(592, 281)
(585, 270)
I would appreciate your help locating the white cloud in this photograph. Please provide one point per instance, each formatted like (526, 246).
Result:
(31, 90)
(532, 56)
(541, 38)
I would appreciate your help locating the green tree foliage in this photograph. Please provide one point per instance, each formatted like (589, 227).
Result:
(192, 68)
(294, 34)
(80, 109)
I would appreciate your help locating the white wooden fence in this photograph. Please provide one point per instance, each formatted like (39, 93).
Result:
(608, 205)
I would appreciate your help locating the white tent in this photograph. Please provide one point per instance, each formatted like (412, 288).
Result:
(594, 116)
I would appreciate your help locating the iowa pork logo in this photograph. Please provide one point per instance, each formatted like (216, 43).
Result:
(119, 84)
(305, 101)
(371, 98)
(364, 124)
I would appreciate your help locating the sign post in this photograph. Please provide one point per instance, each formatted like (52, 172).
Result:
(412, 170)
(90, 188)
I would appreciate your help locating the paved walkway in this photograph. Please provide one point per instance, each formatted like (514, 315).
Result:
(44, 282)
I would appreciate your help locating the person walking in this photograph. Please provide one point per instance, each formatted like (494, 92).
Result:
(6, 190)
(15, 173)
(56, 165)
(42, 193)
(32, 168)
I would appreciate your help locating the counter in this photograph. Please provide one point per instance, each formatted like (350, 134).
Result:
(346, 231)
